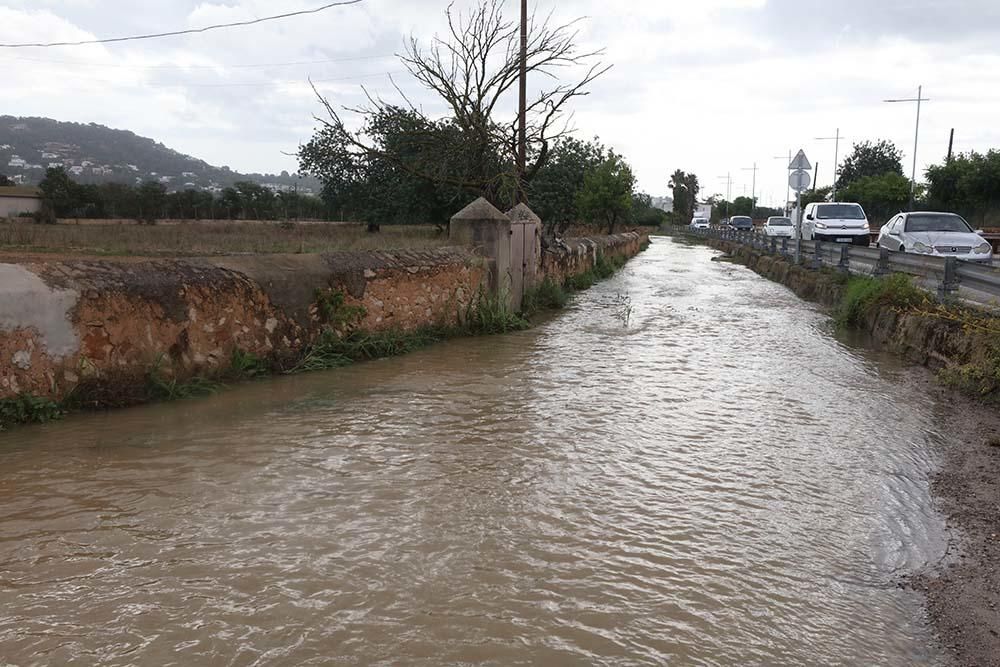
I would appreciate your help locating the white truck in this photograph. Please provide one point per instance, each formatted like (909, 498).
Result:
(703, 211)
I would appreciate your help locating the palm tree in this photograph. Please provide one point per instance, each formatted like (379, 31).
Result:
(678, 185)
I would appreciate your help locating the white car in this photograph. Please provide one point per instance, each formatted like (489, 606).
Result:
(779, 226)
(935, 234)
(841, 222)
(700, 223)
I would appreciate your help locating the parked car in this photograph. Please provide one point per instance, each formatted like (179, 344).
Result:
(937, 234)
(779, 226)
(700, 223)
(842, 222)
(741, 222)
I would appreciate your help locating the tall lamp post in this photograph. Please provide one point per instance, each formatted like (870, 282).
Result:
(919, 99)
(836, 157)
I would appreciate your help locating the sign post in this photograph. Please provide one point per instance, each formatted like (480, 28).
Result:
(799, 180)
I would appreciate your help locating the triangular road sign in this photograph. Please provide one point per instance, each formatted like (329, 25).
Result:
(800, 162)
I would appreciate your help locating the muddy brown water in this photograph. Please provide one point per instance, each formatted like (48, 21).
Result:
(721, 482)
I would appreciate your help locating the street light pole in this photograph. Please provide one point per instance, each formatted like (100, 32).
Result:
(916, 138)
(836, 157)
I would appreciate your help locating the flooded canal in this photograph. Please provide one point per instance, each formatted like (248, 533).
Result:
(722, 481)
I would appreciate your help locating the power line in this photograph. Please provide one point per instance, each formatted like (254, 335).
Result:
(182, 84)
(191, 31)
(219, 66)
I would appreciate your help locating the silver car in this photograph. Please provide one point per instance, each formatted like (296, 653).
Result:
(935, 234)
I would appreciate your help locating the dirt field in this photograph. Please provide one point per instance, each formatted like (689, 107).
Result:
(19, 238)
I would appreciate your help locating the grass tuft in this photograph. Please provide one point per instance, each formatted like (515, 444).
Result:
(28, 409)
(864, 296)
(547, 295)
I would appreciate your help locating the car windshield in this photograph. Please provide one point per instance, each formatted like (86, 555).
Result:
(741, 220)
(840, 212)
(936, 222)
(780, 222)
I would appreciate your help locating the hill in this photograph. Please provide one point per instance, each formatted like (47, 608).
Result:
(93, 153)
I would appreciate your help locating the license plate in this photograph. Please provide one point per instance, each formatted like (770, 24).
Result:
(844, 240)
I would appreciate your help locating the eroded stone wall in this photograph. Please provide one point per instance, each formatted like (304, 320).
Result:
(70, 322)
(572, 256)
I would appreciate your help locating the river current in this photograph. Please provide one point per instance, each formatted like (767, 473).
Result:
(715, 478)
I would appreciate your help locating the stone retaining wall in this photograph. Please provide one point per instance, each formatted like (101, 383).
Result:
(572, 256)
(67, 322)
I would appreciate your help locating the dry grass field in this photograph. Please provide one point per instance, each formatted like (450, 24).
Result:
(199, 239)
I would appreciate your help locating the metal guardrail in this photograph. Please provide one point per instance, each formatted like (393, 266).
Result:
(976, 283)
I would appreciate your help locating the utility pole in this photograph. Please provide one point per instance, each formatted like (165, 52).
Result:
(753, 188)
(522, 115)
(788, 189)
(729, 190)
(919, 99)
(836, 157)
(951, 143)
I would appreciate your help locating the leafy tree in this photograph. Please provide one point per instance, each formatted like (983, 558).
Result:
(969, 184)
(644, 213)
(742, 206)
(151, 196)
(5, 182)
(870, 159)
(553, 192)
(881, 196)
(60, 194)
(606, 197)
(816, 195)
(369, 185)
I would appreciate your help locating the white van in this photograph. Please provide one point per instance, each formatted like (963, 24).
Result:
(841, 222)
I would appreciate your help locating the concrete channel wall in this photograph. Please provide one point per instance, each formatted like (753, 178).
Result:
(89, 324)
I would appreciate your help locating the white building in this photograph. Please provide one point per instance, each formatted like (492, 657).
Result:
(15, 161)
(76, 171)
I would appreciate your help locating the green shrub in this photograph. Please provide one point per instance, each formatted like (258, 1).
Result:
(247, 365)
(163, 388)
(28, 409)
(547, 295)
(334, 310)
(488, 314)
(863, 296)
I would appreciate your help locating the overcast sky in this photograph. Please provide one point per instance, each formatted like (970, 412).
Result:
(711, 86)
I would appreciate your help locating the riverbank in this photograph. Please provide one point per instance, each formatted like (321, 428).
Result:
(961, 347)
(96, 334)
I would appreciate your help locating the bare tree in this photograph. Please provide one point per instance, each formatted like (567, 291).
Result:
(473, 69)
